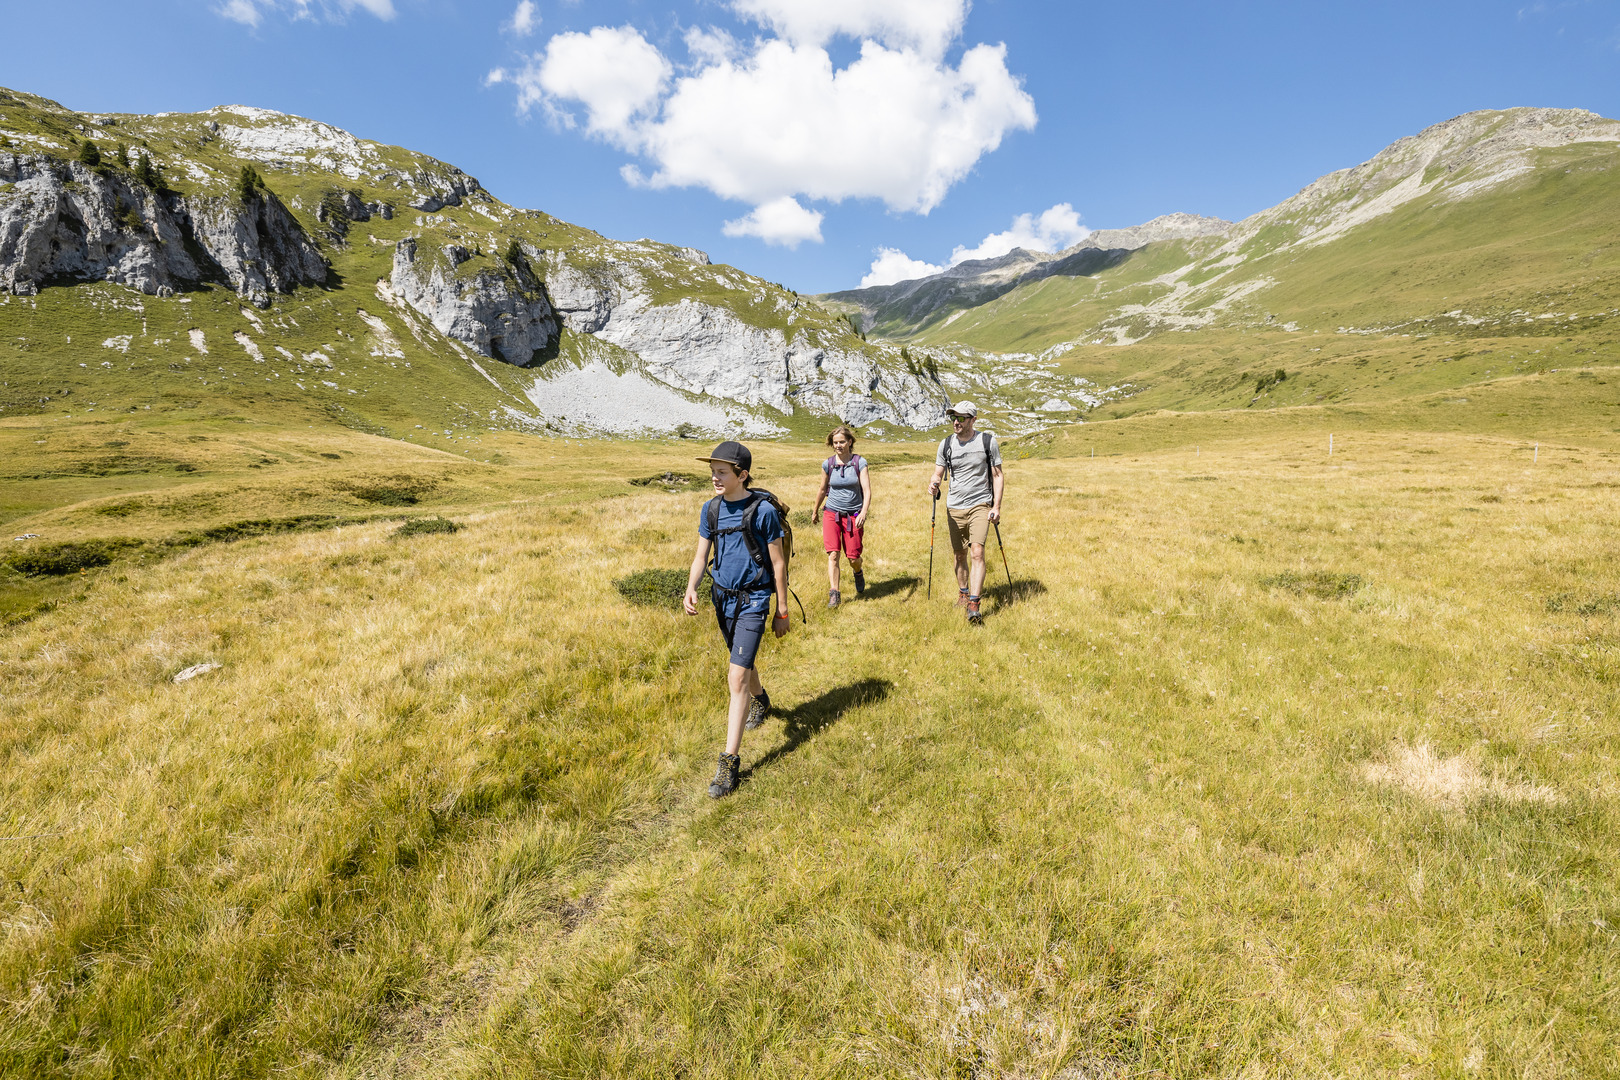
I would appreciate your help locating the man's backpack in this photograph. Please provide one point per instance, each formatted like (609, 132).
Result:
(756, 549)
(984, 438)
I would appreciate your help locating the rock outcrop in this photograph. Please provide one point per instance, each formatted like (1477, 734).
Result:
(706, 349)
(66, 220)
(501, 314)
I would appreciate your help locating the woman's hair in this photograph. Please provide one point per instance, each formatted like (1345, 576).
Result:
(841, 429)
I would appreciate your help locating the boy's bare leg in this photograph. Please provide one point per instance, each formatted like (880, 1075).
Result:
(744, 684)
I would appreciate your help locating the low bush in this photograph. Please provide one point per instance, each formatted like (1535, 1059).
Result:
(657, 588)
(670, 480)
(55, 560)
(1322, 584)
(425, 526)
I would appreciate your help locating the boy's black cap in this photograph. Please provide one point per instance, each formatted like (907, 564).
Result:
(734, 454)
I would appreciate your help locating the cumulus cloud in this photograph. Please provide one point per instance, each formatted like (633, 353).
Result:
(773, 121)
(252, 12)
(892, 265)
(927, 26)
(525, 20)
(781, 221)
(1053, 229)
(614, 72)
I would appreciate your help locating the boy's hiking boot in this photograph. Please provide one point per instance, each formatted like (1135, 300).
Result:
(725, 777)
(860, 582)
(834, 598)
(758, 709)
(973, 616)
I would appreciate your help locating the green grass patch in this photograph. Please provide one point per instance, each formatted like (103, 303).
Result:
(427, 527)
(1322, 584)
(72, 557)
(655, 587)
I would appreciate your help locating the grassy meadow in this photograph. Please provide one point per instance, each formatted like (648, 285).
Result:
(1267, 763)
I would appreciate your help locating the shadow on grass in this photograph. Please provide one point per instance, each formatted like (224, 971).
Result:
(878, 590)
(1023, 589)
(820, 713)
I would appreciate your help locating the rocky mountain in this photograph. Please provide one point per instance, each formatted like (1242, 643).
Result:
(588, 334)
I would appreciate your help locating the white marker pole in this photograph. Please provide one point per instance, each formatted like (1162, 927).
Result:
(1330, 445)
(1537, 455)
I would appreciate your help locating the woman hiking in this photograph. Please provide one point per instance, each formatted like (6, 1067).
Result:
(745, 532)
(846, 489)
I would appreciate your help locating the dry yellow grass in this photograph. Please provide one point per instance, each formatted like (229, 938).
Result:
(440, 811)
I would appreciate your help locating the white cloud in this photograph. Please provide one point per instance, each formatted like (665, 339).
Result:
(1055, 229)
(614, 72)
(892, 265)
(927, 26)
(773, 121)
(781, 221)
(252, 12)
(525, 20)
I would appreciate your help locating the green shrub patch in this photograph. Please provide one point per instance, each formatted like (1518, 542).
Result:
(1322, 584)
(658, 588)
(55, 560)
(670, 481)
(424, 526)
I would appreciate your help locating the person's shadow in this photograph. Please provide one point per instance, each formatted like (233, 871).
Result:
(879, 589)
(1006, 595)
(820, 713)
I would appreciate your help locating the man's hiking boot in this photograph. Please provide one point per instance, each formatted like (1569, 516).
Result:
(758, 709)
(860, 582)
(725, 777)
(973, 615)
(834, 598)
(961, 598)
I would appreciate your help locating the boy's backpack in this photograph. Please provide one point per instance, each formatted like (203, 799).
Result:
(984, 437)
(751, 539)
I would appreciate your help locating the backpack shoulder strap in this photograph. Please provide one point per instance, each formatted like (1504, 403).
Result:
(945, 449)
(750, 530)
(711, 511)
(988, 467)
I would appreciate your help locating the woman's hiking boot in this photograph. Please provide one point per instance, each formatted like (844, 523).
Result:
(860, 582)
(834, 598)
(973, 615)
(725, 777)
(758, 709)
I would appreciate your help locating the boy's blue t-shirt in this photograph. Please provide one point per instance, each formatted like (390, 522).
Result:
(734, 568)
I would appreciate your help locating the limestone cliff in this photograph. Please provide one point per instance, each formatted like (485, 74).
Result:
(67, 220)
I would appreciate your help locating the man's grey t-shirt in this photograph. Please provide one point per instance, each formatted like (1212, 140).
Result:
(970, 480)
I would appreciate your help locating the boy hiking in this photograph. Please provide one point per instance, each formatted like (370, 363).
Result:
(974, 461)
(744, 529)
(846, 489)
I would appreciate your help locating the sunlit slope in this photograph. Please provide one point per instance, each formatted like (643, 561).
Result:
(1541, 245)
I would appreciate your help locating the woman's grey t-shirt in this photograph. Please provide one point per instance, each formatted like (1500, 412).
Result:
(970, 479)
(844, 484)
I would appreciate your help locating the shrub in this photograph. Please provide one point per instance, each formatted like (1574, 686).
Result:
(514, 253)
(670, 480)
(1322, 584)
(1266, 382)
(54, 560)
(390, 491)
(657, 588)
(424, 526)
(147, 173)
(89, 154)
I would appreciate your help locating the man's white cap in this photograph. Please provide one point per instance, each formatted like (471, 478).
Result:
(963, 408)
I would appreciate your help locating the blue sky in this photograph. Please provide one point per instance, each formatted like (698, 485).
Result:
(1119, 112)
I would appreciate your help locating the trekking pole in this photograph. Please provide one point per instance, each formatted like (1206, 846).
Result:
(931, 516)
(1003, 548)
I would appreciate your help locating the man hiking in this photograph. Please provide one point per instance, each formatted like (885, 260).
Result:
(974, 504)
(745, 531)
(846, 489)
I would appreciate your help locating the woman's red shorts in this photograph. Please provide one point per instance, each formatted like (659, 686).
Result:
(840, 533)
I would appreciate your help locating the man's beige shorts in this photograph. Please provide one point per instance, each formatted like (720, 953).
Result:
(969, 526)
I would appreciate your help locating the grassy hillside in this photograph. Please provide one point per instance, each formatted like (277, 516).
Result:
(1268, 763)
(346, 352)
